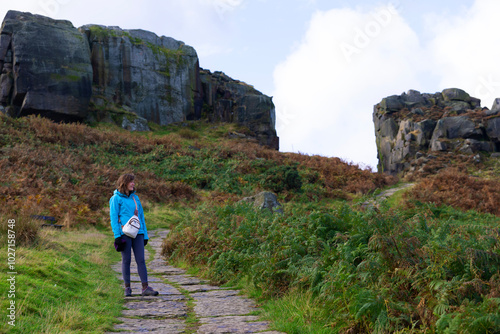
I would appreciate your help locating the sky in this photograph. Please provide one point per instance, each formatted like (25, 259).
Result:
(326, 63)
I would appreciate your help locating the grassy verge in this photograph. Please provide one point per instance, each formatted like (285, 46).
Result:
(64, 284)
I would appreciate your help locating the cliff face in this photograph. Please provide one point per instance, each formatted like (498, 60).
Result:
(412, 125)
(45, 67)
(128, 77)
(233, 101)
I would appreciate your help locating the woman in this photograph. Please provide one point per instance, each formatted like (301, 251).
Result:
(122, 207)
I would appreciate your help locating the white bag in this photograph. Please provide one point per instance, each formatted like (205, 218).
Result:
(133, 225)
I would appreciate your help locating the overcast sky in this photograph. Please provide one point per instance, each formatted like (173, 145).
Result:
(325, 62)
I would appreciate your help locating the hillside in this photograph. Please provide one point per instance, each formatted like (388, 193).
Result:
(427, 259)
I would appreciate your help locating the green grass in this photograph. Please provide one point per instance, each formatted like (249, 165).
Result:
(64, 284)
(298, 313)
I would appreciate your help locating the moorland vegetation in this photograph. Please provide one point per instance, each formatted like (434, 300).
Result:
(426, 260)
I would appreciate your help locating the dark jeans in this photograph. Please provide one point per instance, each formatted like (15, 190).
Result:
(137, 245)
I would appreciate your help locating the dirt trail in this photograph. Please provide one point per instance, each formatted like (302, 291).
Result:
(185, 304)
(375, 202)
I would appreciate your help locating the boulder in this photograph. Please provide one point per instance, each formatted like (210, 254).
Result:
(138, 124)
(392, 104)
(264, 200)
(455, 94)
(493, 129)
(51, 73)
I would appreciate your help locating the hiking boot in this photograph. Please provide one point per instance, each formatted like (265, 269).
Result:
(128, 292)
(149, 292)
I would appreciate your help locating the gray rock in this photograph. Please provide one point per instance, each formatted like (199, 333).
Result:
(455, 94)
(459, 107)
(52, 73)
(424, 130)
(493, 129)
(399, 138)
(230, 100)
(264, 200)
(138, 124)
(392, 104)
(221, 303)
(496, 105)
(156, 309)
(232, 324)
(164, 326)
(452, 128)
(154, 76)
(389, 128)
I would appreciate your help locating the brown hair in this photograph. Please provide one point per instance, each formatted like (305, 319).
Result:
(123, 182)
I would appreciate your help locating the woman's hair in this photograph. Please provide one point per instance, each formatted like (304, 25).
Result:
(123, 182)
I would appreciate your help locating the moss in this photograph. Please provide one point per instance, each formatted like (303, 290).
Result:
(102, 33)
(65, 77)
(171, 55)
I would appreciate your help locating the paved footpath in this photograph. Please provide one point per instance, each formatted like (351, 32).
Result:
(185, 303)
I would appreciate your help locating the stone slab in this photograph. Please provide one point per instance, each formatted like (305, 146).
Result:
(184, 279)
(157, 326)
(199, 288)
(165, 269)
(232, 324)
(221, 303)
(156, 309)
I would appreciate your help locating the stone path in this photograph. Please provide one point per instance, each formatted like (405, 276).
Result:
(185, 304)
(375, 202)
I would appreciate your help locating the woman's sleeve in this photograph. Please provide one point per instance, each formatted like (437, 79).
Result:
(142, 219)
(114, 210)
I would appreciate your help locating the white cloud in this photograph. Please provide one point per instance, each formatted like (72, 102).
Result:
(466, 50)
(326, 88)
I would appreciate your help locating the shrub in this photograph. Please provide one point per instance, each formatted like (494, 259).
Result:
(282, 178)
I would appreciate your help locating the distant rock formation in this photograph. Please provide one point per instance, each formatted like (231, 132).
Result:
(411, 125)
(233, 101)
(128, 77)
(45, 66)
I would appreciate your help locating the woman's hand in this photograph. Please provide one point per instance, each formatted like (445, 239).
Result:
(145, 242)
(120, 244)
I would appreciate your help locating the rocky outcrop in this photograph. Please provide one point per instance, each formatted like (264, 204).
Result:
(229, 100)
(411, 125)
(127, 77)
(45, 66)
(155, 77)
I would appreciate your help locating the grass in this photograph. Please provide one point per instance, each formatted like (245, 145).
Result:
(64, 284)
(298, 313)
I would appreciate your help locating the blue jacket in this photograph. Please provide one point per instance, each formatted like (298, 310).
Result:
(122, 207)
